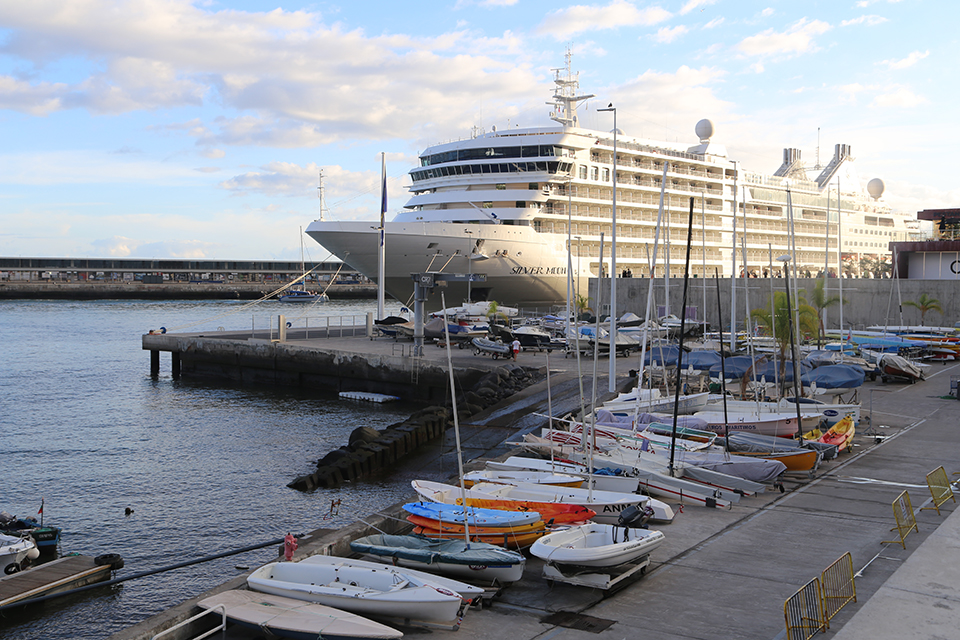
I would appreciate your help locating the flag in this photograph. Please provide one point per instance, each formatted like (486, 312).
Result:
(40, 513)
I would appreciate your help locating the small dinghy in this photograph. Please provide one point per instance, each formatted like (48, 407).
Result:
(474, 517)
(368, 592)
(512, 477)
(596, 545)
(551, 512)
(468, 592)
(489, 347)
(840, 434)
(473, 561)
(15, 551)
(288, 618)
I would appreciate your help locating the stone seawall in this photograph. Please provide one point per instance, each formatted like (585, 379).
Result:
(370, 450)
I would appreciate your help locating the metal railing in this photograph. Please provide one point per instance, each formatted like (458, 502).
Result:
(221, 626)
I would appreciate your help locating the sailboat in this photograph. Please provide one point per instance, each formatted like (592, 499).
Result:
(299, 293)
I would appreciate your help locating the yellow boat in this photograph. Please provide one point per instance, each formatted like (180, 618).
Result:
(840, 434)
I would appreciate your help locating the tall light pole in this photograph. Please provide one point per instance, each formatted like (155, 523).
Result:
(613, 261)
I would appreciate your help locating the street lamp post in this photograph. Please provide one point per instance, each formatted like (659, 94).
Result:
(785, 259)
(613, 261)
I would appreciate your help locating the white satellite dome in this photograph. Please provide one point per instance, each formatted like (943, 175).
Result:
(875, 188)
(704, 130)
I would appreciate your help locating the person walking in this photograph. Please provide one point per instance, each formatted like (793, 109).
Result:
(515, 345)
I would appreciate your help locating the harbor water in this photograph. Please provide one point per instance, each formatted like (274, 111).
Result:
(203, 465)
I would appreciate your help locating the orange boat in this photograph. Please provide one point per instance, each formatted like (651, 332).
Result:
(840, 434)
(551, 512)
(505, 539)
(446, 526)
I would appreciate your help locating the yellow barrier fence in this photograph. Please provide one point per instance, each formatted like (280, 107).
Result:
(906, 521)
(838, 587)
(803, 612)
(940, 488)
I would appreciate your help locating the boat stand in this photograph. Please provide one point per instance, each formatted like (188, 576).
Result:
(595, 577)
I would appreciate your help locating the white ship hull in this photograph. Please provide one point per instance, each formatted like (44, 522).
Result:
(520, 266)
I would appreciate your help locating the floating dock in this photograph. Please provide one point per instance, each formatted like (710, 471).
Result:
(56, 576)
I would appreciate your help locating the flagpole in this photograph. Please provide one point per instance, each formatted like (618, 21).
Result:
(383, 213)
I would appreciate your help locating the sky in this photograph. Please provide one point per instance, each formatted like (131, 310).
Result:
(196, 129)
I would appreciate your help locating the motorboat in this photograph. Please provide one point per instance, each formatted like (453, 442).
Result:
(596, 545)
(283, 617)
(46, 537)
(368, 592)
(475, 561)
(15, 551)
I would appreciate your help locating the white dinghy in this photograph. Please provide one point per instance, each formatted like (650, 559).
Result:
(288, 618)
(368, 592)
(468, 592)
(596, 545)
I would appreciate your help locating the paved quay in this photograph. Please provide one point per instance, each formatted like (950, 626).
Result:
(725, 573)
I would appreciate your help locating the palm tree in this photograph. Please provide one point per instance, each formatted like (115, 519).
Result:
(924, 303)
(779, 323)
(820, 301)
(493, 313)
(582, 304)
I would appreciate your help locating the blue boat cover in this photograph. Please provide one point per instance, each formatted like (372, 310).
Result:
(431, 551)
(663, 355)
(837, 376)
(701, 360)
(475, 516)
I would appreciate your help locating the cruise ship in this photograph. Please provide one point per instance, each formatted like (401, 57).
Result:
(516, 210)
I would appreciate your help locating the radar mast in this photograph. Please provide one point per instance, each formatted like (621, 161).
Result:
(565, 98)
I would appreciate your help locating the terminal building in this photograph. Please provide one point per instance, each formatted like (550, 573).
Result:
(159, 271)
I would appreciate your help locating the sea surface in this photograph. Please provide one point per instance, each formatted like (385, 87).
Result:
(203, 465)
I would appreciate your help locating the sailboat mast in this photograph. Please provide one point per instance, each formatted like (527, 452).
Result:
(683, 330)
(381, 267)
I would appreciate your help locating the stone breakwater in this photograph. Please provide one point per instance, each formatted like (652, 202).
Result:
(369, 450)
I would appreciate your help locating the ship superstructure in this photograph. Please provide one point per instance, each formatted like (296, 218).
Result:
(519, 206)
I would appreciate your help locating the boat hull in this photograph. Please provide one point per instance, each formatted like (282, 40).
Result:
(289, 618)
(596, 545)
(520, 265)
(447, 557)
(362, 591)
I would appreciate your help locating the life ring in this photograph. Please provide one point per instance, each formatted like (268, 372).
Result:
(115, 560)
(11, 568)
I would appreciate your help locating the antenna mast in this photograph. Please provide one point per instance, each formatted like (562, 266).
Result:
(565, 98)
(323, 204)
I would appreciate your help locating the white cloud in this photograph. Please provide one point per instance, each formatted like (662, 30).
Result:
(713, 24)
(909, 61)
(675, 101)
(690, 5)
(899, 97)
(568, 22)
(666, 35)
(798, 38)
(285, 78)
(867, 20)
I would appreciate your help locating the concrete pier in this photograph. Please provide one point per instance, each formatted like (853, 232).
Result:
(725, 573)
